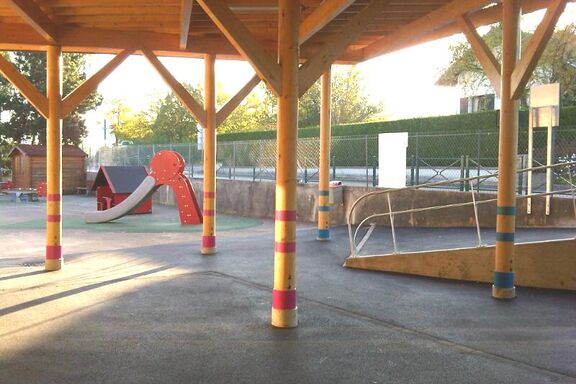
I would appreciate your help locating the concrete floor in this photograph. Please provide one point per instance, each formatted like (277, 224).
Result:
(134, 307)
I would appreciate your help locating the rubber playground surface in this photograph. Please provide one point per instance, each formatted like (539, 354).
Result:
(162, 220)
(137, 303)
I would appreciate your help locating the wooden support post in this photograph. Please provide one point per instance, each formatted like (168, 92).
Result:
(53, 261)
(209, 206)
(284, 309)
(503, 287)
(482, 51)
(324, 177)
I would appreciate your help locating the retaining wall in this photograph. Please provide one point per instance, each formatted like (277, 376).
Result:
(256, 199)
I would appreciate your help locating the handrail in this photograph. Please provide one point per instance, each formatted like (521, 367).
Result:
(352, 237)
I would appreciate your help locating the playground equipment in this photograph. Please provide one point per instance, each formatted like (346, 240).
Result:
(544, 264)
(167, 169)
(113, 184)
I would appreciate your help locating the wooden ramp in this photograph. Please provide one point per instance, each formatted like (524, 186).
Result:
(543, 264)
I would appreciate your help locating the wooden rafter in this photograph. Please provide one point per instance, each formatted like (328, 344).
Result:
(423, 25)
(536, 46)
(325, 57)
(241, 38)
(24, 86)
(483, 53)
(185, 16)
(235, 101)
(36, 18)
(74, 98)
(181, 93)
(324, 14)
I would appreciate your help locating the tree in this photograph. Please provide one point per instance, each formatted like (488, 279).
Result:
(172, 122)
(557, 64)
(23, 122)
(349, 102)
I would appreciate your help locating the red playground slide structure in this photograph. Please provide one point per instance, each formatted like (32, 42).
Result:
(167, 168)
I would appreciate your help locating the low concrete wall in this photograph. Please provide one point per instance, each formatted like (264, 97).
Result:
(256, 199)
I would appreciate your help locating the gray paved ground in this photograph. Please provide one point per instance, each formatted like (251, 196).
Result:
(147, 308)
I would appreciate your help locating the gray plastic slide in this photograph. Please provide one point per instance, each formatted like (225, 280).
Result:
(144, 191)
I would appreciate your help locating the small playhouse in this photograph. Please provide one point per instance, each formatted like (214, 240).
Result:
(113, 184)
(29, 167)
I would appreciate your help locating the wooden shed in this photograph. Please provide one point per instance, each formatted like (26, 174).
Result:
(29, 166)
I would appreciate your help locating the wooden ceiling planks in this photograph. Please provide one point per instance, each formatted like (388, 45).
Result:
(113, 25)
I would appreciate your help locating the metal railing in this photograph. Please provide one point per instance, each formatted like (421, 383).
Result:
(354, 159)
(355, 249)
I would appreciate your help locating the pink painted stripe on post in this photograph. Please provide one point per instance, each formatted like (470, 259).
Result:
(208, 212)
(285, 247)
(53, 252)
(54, 197)
(209, 195)
(284, 299)
(208, 241)
(286, 215)
(53, 218)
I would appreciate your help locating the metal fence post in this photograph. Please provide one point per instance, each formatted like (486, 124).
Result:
(462, 172)
(374, 166)
(333, 167)
(412, 164)
(417, 159)
(467, 174)
(366, 165)
(234, 159)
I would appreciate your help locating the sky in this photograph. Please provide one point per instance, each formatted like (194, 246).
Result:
(403, 81)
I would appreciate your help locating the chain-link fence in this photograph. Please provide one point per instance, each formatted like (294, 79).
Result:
(354, 159)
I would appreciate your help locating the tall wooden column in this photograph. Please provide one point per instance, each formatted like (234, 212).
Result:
(324, 177)
(53, 259)
(284, 309)
(503, 287)
(209, 197)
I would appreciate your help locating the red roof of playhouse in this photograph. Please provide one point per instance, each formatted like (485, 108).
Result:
(40, 150)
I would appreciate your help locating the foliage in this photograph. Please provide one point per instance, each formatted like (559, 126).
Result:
(23, 123)
(471, 122)
(557, 63)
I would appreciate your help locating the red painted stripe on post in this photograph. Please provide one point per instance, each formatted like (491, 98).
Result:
(209, 195)
(284, 299)
(286, 215)
(285, 247)
(208, 212)
(53, 252)
(53, 197)
(53, 218)
(208, 241)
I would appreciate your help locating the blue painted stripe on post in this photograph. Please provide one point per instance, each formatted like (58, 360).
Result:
(505, 236)
(506, 211)
(323, 233)
(323, 193)
(324, 208)
(504, 279)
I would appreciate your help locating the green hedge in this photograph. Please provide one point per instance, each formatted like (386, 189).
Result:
(471, 122)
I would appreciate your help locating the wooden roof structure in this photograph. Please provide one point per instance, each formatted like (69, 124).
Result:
(362, 29)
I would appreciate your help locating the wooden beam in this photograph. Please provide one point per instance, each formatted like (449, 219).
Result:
(24, 86)
(423, 25)
(185, 15)
(235, 101)
(74, 98)
(241, 38)
(483, 53)
(36, 18)
(323, 59)
(181, 93)
(536, 47)
(485, 16)
(321, 16)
